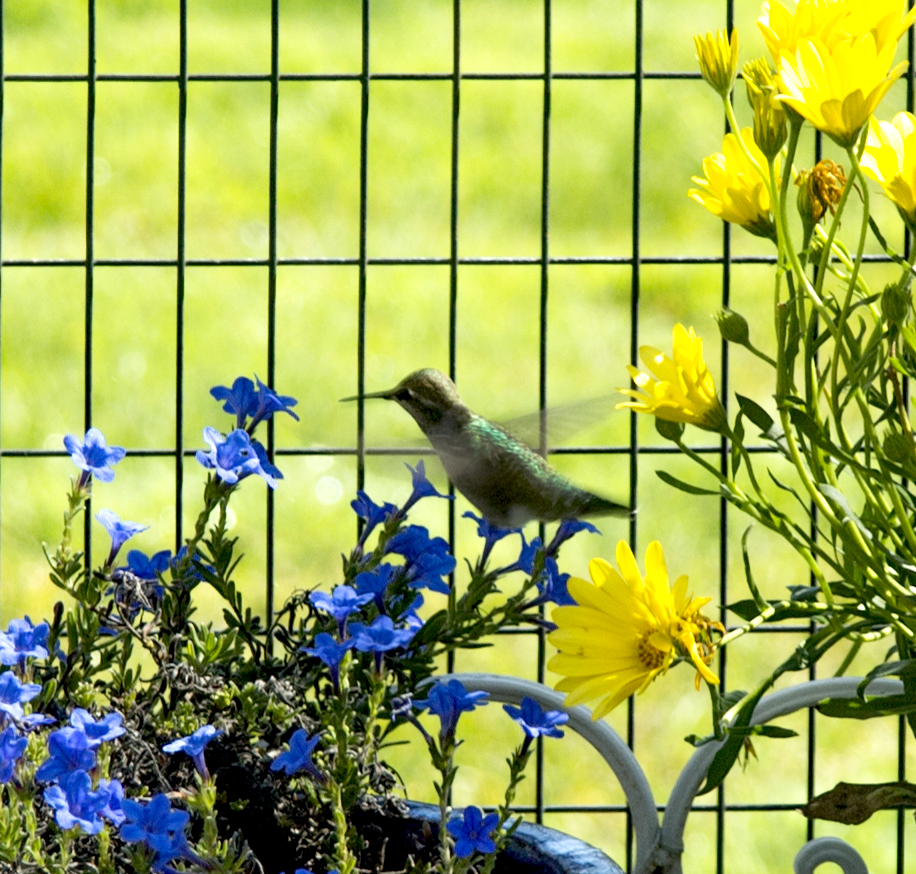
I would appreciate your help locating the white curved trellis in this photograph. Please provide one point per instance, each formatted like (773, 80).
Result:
(659, 846)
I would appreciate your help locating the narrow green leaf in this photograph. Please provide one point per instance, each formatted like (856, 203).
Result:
(684, 487)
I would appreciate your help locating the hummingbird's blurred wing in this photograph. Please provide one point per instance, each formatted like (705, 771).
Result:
(563, 422)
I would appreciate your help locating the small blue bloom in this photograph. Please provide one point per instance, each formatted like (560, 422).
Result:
(107, 728)
(14, 693)
(343, 601)
(147, 567)
(422, 487)
(490, 533)
(75, 804)
(233, 457)
(92, 456)
(268, 470)
(154, 824)
(568, 528)
(410, 616)
(12, 746)
(375, 583)
(22, 640)
(70, 751)
(427, 559)
(241, 399)
(552, 585)
(120, 532)
(380, 637)
(330, 652)
(526, 557)
(473, 832)
(535, 721)
(299, 755)
(448, 700)
(113, 810)
(268, 403)
(194, 745)
(371, 513)
(244, 401)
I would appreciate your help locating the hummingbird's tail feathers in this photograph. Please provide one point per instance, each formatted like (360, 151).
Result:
(597, 506)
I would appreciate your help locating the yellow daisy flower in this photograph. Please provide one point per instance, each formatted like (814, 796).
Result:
(625, 630)
(838, 88)
(783, 31)
(682, 389)
(831, 22)
(734, 189)
(890, 159)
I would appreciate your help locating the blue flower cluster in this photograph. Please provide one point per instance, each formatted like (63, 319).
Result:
(236, 455)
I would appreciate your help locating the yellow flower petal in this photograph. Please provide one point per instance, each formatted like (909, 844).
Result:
(890, 159)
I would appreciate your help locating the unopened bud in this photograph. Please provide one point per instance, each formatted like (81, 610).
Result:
(733, 327)
(669, 430)
(770, 131)
(898, 447)
(896, 303)
(718, 57)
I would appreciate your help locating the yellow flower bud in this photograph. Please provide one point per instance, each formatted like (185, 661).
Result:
(718, 57)
(769, 113)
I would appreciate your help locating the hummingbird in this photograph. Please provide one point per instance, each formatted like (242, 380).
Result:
(505, 479)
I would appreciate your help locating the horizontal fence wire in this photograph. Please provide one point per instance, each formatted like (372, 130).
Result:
(635, 260)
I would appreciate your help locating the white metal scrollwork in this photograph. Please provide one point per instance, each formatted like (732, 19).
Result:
(659, 847)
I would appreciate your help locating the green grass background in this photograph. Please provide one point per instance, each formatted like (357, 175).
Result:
(225, 315)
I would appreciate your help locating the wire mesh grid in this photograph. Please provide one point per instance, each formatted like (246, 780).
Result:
(646, 259)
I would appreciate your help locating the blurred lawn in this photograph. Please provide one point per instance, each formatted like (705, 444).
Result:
(135, 312)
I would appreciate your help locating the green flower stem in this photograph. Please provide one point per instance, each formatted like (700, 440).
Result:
(344, 860)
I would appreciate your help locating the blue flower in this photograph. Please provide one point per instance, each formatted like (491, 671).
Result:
(299, 755)
(107, 728)
(75, 803)
(371, 513)
(12, 746)
(156, 825)
(70, 751)
(120, 532)
(331, 653)
(422, 487)
(146, 567)
(22, 640)
(473, 831)
(375, 583)
(535, 721)
(241, 399)
(194, 745)
(427, 559)
(568, 528)
(526, 558)
(113, 810)
(380, 637)
(268, 403)
(92, 456)
(14, 693)
(244, 401)
(343, 601)
(490, 533)
(552, 585)
(448, 700)
(234, 457)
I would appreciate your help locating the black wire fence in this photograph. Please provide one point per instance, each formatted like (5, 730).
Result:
(493, 188)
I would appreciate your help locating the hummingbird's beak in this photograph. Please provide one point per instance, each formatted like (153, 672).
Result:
(386, 395)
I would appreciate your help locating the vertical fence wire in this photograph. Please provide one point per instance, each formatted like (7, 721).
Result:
(275, 78)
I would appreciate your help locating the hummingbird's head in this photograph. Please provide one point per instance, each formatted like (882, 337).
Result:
(428, 395)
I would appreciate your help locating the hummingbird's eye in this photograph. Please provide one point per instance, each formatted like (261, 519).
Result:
(405, 394)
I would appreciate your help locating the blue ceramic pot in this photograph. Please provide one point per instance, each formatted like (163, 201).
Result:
(532, 849)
